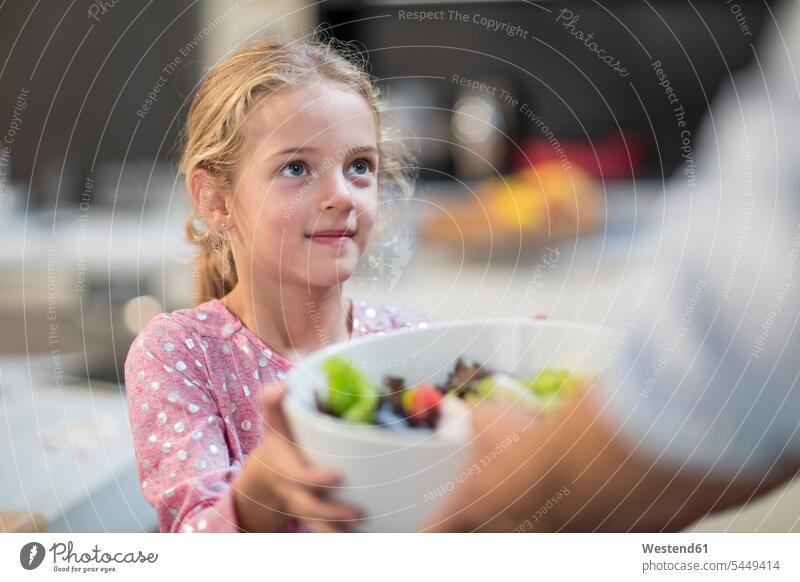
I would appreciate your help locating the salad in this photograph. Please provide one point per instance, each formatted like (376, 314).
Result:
(352, 396)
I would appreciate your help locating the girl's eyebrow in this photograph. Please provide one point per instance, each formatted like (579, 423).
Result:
(309, 149)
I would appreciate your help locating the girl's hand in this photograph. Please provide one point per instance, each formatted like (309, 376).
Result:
(278, 484)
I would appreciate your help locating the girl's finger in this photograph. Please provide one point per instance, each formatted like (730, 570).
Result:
(317, 526)
(292, 467)
(307, 506)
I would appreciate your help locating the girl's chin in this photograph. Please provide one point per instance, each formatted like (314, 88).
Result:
(331, 273)
(319, 280)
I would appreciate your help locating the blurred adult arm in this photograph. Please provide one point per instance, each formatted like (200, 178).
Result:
(700, 407)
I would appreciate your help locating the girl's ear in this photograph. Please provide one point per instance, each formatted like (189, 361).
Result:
(209, 198)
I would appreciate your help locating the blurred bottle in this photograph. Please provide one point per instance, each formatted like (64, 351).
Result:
(482, 125)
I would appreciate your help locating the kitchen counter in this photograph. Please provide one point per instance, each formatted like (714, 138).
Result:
(67, 453)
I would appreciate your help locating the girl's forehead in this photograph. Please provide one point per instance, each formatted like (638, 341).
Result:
(319, 112)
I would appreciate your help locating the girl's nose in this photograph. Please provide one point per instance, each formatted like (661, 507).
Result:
(336, 192)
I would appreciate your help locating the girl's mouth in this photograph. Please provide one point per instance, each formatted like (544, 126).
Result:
(331, 237)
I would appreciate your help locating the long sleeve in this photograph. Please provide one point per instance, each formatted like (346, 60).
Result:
(179, 435)
(706, 374)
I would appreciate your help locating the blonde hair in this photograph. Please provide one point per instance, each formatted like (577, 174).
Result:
(213, 135)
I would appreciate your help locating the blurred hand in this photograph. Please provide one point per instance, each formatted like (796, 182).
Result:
(606, 484)
(278, 484)
(493, 496)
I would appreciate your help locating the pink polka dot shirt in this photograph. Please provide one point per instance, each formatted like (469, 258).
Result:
(193, 379)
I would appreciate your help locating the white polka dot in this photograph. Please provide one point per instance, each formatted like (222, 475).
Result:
(170, 492)
(189, 343)
(213, 449)
(246, 425)
(187, 382)
(180, 427)
(281, 375)
(227, 329)
(370, 312)
(198, 434)
(246, 390)
(169, 346)
(181, 365)
(225, 386)
(255, 374)
(226, 349)
(182, 455)
(155, 386)
(201, 316)
(144, 484)
(206, 399)
(166, 447)
(262, 362)
(167, 368)
(162, 418)
(228, 419)
(152, 438)
(211, 420)
(173, 397)
(201, 464)
(193, 408)
(145, 407)
(233, 407)
(140, 375)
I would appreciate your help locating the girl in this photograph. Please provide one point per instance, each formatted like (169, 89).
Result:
(287, 164)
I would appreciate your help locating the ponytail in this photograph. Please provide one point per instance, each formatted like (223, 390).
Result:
(214, 269)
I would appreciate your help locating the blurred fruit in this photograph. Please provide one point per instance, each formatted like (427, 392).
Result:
(529, 208)
(514, 203)
(422, 402)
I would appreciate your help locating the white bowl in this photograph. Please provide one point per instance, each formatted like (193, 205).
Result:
(399, 478)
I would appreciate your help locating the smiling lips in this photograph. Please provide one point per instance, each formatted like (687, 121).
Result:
(331, 237)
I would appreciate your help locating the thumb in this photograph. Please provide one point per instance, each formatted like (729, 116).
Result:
(272, 396)
(449, 518)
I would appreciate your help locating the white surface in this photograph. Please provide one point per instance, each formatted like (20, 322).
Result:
(68, 454)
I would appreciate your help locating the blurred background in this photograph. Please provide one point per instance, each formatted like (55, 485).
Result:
(539, 165)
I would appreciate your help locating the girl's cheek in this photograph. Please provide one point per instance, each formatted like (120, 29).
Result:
(291, 206)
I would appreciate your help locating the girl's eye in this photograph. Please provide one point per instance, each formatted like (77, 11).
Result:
(293, 170)
(361, 167)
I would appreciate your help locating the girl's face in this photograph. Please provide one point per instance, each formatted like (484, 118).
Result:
(306, 192)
